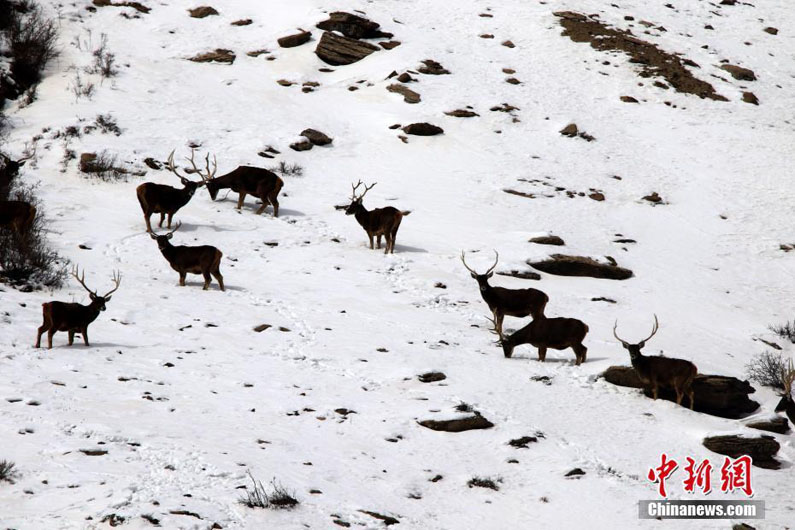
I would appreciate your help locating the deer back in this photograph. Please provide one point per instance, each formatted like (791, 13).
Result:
(244, 178)
(66, 316)
(664, 370)
(516, 302)
(16, 212)
(379, 220)
(191, 258)
(556, 333)
(163, 198)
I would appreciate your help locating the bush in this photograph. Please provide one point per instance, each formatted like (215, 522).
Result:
(80, 88)
(8, 471)
(25, 257)
(767, 369)
(480, 482)
(258, 497)
(102, 166)
(104, 61)
(288, 170)
(785, 331)
(31, 38)
(107, 124)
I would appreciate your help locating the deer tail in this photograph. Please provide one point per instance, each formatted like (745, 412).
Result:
(405, 212)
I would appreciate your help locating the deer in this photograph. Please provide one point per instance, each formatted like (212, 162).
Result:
(378, 222)
(787, 403)
(72, 317)
(543, 333)
(249, 180)
(656, 370)
(18, 215)
(167, 200)
(203, 259)
(511, 302)
(9, 171)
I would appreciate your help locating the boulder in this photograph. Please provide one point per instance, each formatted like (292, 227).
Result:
(219, 55)
(717, 395)
(431, 67)
(316, 137)
(787, 405)
(778, 425)
(337, 51)
(409, 96)
(423, 129)
(563, 265)
(353, 26)
(761, 449)
(522, 275)
(303, 145)
(750, 97)
(466, 423)
(202, 11)
(547, 240)
(739, 73)
(462, 113)
(570, 130)
(431, 377)
(291, 41)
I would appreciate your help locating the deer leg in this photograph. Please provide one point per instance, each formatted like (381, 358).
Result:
(378, 241)
(148, 222)
(388, 246)
(371, 240)
(50, 333)
(182, 276)
(265, 202)
(206, 280)
(691, 395)
(273, 198)
(162, 218)
(240, 198)
(542, 353)
(85, 335)
(42, 329)
(654, 389)
(580, 351)
(498, 317)
(219, 278)
(170, 215)
(71, 337)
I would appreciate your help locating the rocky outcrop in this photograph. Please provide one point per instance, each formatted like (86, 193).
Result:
(336, 50)
(563, 265)
(761, 449)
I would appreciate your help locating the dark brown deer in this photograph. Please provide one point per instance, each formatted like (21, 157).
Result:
(787, 403)
(204, 259)
(71, 317)
(17, 215)
(9, 171)
(544, 333)
(248, 180)
(656, 370)
(167, 200)
(511, 302)
(379, 222)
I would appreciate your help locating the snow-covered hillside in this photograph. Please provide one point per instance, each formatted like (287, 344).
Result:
(187, 399)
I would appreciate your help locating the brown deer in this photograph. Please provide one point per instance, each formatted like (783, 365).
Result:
(379, 222)
(204, 259)
(787, 403)
(248, 180)
(9, 171)
(511, 302)
(18, 215)
(167, 200)
(543, 333)
(656, 370)
(71, 317)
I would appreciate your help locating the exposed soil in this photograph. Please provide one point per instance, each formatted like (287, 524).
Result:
(653, 61)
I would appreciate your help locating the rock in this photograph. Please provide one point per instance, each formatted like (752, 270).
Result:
(717, 395)
(563, 265)
(628, 99)
(778, 425)
(256, 53)
(521, 443)
(761, 450)
(423, 129)
(750, 97)
(353, 26)
(576, 472)
(152, 163)
(262, 327)
(739, 73)
(303, 145)
(431, 377)
(242, 22)
(405, 77)
(597, 196)
(743, 526)
(316, 137)
(467, 423)
(771, 30)
(297, 39)
(138, 6)
(569, 130)
(787, 405)
(508, 71)
(87, 163)
(462, 113)
(508, 44)
(523, 275)
(337, 51)
(389, 44)
(409, 96)
(203, 11)
(653, 197)
(431, 67)
(285, 82)
(547, 240)
(386, 519)
(513, 81)
(220, 55)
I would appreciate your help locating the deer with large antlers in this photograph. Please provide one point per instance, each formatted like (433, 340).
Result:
(378, 222)
(204, 259)
(656, 370)
(511, 302)
(787, 403)
(71, 317)
(249, 180)
(9, 171)
(167, 200)
(544, 333)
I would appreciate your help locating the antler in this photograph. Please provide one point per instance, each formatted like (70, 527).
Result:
(176, 227)
(207, 175)
(615, 333)
(170, 165)
(116, 283)
(26, 158)
(496, 260)
(81, 278)
(366, 189)
(654, 329)
(495, 329)
(788, 377)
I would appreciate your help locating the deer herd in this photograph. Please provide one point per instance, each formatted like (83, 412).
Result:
(541, 332)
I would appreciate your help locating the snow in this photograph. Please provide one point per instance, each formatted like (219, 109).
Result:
(716, 284)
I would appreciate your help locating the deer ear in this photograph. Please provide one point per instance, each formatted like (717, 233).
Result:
(22, 163)
(641, 345)
(153, 236)
(107, 298)
(168, 236)
(474, 275)
(489, 275)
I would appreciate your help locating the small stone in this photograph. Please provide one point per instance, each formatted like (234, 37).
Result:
(203, 11)
(508, 44)
(291, 41)
(569, 130)
(750, 97)
(303, 145)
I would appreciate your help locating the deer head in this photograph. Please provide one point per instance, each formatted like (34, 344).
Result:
(163, 239)
(482, 279)
(505, 342)
(205, 176)
(356, 200)
(634, 349)
(96, 300)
